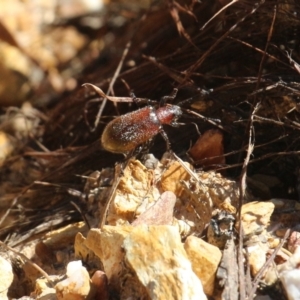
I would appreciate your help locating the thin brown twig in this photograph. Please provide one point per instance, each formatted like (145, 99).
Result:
(218, 12)
(260, 158)
(173, 8)
(114, 99)
(293, 124)
(175, 75)
(242, 189)
(266, 48)
(280, 83)
(111, 84)
(186, 168)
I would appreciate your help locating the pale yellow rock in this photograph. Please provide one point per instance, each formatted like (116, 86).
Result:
(170, 179)
(273, 242)
(43, 289)
(218, 190)
(255, 216)
(6, 277)
(62, 237)
(83, 253)
(81, 250)
(134, 195)
(77, 284)
(107, 245)
(205, 259)
(164, 262)
(256, 257)
(158, 259)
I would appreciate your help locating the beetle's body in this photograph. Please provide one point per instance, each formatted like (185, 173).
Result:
(126, 132)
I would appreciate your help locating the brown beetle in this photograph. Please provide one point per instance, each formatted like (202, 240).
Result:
(126, 132)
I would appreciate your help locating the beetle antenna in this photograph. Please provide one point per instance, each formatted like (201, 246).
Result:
(215, 122)
(126, 85)
(203, 93)
(171, 97)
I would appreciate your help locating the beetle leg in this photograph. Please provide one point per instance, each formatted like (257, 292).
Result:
(133, 96)
(164, 135)
(176, 124)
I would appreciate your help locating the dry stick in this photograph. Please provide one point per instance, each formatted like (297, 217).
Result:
(280, 83)
(82, 214)
(174, 74)
(254, 160)
(293, 125)
(25, 258)
(293, 62)
(173, 9)
(187, 10)
(112, 82)
(242, 189)
(115, 99)
(186, 168)
(267, 263)
(265, 50)
(218, 12)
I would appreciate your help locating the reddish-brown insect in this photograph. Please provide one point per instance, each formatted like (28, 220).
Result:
(126, 132)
